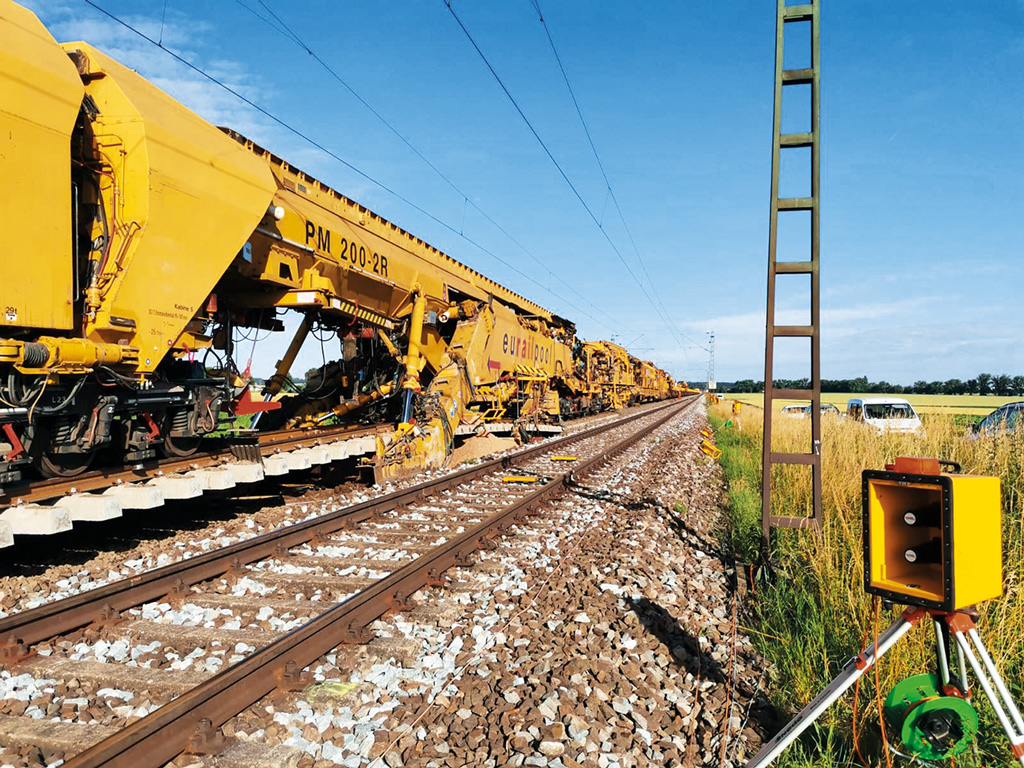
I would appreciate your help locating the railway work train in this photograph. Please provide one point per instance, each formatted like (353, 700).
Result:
(147, 240)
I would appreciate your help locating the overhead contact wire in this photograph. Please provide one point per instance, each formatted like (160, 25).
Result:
(271, 24)
(333, 155)
(283, 29)
(600, 165)
(551, 157)
(329, 153)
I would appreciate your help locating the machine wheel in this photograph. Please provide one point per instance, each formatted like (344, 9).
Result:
(64, 464)
(177, 447)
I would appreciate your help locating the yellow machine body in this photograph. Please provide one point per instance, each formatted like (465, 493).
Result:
(481, 352)
(327, 249)
(651, 382)
(144, 232)
(324, 253)
(609, 373)
(40, 94)
(966, 512)
(181, 199)
(523, 348)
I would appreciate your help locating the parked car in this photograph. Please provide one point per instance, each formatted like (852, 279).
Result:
(805, 410)
(886, 414)
(799, 411)
(1009, 417)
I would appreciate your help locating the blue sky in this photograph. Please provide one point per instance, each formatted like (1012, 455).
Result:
(922, 224)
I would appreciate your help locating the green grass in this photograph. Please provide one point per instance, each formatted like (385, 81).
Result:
(228, 427)
(741, 464)
(815, 614)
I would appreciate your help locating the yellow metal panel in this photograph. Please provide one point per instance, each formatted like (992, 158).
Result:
(188, 197)
(322, 301)
(512, 345)
(351, 243)
(40, 93)
(977, 539)
(889, 537)
(968, 527)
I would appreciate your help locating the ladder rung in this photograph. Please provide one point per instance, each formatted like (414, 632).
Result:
(797, 76)
(792, 522)
(798, 13)
(794, 267)
(792, 394)
(796, 140)
(795, 458)
(796, 203)
(793, 330)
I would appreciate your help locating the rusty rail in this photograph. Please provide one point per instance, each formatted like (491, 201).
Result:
(166, 733)
(23, 629)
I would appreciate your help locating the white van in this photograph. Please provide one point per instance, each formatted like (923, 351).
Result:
(886, 414)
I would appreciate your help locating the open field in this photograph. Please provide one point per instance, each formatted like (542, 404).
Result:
(815, 614)
(968, 405)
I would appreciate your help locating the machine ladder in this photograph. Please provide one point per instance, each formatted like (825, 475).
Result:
(808, 265)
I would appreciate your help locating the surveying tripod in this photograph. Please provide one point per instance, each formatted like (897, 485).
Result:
(935, 721)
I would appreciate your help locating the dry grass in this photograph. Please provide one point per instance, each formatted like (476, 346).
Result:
(818, 603)
(972, 405)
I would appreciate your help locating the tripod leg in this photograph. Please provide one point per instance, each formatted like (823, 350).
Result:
(997, 700)
(951, 686)
(852, 670)
(962, 662)
(942, 651)
(997, 678)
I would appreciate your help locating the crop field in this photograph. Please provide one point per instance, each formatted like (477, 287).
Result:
(815, 614)
(967, 405)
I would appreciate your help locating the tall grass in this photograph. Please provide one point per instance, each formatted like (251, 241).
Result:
(815, 615)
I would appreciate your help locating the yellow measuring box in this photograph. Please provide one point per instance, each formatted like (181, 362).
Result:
(932, 538)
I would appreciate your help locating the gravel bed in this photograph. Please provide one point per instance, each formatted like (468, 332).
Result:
(399, 660)
(64, 579)
(19, 593)
(603, 633)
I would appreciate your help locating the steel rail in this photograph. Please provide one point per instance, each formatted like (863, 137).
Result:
(96, 480)
(269, 443)
(166, 733)
(21, 630)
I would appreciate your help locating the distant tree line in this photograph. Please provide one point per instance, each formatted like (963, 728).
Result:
(983, 384)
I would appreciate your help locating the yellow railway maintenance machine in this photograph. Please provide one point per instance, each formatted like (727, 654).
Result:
(932, 541)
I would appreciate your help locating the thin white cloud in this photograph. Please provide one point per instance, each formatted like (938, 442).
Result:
(191, 39)
(874, 339)
(754, 322)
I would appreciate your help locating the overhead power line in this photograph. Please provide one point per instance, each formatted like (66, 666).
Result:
(295, 131)
(278, 25)
(600, 165)
(564, 176)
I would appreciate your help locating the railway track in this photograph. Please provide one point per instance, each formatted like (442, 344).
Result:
(263, 598)
(52, 506)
